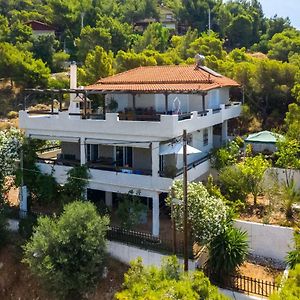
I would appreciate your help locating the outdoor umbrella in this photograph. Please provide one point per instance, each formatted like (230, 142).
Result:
(177, 149)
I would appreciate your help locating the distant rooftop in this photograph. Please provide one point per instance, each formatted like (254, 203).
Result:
(163, 79)
(37, 25)
(264, 137)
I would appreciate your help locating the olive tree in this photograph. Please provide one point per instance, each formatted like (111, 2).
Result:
(253, 169)
(68, 252)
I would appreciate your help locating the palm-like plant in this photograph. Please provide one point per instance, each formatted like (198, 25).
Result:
(290, 196)
(226, 252)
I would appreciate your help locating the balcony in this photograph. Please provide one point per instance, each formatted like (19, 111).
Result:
(119, 182)
(139, 127)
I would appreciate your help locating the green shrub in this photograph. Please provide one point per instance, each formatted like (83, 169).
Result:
(130, 210)
(225, 156)
(226, 252)
(167, 282)
(12, 115)
(293, 256)
(291, 287)
(68, 252)
(234, 184)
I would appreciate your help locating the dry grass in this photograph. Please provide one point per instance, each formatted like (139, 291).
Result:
(16, 281)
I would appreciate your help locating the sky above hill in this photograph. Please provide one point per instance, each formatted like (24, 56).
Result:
(283, 8)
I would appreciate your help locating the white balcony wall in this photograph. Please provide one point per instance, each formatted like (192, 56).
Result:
(112, 128)
(145, 101)
(197, 171)
(123, 100)
(224, 95)
(115, 182)
(216, 97)
(195, 102)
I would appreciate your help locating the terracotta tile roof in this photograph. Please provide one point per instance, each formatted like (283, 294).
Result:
(163, 79)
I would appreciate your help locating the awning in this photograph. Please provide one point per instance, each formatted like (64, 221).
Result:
(177, 149)
(55, 138)
(117, 143)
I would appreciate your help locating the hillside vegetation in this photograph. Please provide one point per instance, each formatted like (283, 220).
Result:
(262, 54)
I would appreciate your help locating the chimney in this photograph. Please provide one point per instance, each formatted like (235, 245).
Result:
(73, 75)
(73, 107)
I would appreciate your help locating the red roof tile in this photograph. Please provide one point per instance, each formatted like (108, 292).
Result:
(163, 79)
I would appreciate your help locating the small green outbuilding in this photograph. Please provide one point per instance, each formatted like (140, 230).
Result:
(264, 141)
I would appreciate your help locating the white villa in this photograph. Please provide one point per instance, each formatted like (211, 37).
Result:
(142, 113)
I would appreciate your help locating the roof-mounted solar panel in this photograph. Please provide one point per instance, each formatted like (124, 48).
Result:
(212, 72)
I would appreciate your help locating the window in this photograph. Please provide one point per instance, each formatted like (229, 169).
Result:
(92, 152)
(124, 156)
(205, 137)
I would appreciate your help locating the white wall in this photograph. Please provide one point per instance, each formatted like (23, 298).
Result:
(112, 128)
(278, 175)
(269, 241)
(195, 102)
(121, 99)
(127, 253)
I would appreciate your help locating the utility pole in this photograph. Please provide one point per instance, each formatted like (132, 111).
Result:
(82, 17)
(173, 220)
(209, 21)
(185, 217)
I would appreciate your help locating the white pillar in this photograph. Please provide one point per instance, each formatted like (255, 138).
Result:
(224, 131)
(82, 152)
(155, 159)
(155, 215)
(108, 199)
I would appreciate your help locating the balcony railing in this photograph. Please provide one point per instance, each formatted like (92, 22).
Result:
(177, 172)
(104, 166)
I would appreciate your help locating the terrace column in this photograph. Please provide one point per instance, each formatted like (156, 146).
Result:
(82, 152)
(224, 131)
(155, 158)
(108, 199)
(203, 102)
(155, 215)
(166, 103)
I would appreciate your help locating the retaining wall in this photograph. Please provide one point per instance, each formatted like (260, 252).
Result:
(279, 175)
(127, 253)
(270, 241)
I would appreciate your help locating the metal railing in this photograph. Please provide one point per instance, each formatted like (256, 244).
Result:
(185, 116)
(251, 285)
(146, 241)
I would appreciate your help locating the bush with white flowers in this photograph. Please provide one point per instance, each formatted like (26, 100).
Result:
(206, 214)
(10, 144)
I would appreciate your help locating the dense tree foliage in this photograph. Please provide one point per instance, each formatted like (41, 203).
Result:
(84, 28)
(79, 232)
(167, 282)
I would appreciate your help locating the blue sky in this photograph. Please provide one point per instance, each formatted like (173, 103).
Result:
(283, 8)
